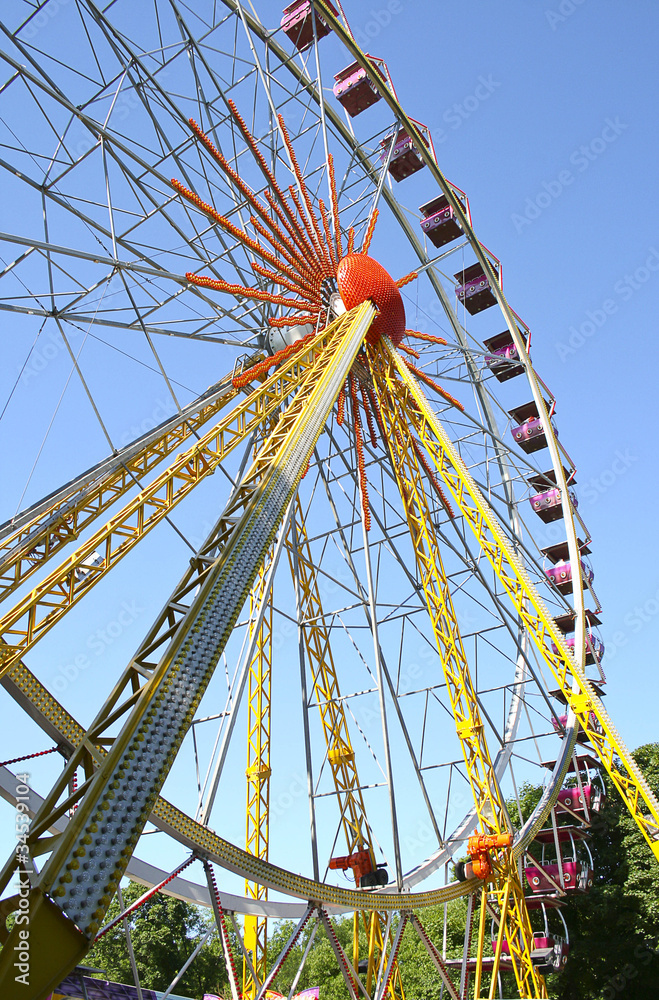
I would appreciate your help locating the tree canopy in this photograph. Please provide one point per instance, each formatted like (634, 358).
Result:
(164, 933)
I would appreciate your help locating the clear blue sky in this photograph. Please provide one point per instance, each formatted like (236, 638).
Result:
(544, 113)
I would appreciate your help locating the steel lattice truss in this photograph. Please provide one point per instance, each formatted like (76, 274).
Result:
(364, 602)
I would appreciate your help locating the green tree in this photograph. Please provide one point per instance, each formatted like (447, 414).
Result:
(421, 980)
(164, 932)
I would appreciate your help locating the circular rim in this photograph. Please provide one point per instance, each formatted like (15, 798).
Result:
(435, 861)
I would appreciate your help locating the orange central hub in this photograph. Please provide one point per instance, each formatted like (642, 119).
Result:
(360, 278)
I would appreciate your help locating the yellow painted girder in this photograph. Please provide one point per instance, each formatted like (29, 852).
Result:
(540, 625)
(257, 822)
(39, 611)
(340, 754)
(377, 948)
(318, 649)
(490, 805)
(43, 535)
(268, 487)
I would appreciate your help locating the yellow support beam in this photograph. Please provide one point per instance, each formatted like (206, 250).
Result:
(67, 903)
(340, 753)
(490, 805)
(40, 610)
(59, 520)
(577, 690)
(257, 823)
(318, 651)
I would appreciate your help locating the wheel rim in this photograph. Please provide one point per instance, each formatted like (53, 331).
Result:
(482, 444)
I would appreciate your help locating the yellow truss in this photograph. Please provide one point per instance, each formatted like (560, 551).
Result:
(58, 522)
(255, 929)
(490, 805)
(318, 650)
(40, 610)
(340, 754)
(575, 686)
(171, 692)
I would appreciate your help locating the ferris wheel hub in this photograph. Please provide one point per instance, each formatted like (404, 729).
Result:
(360, 277)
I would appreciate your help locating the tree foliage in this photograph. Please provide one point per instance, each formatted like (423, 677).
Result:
(164, 933)
(420, 978)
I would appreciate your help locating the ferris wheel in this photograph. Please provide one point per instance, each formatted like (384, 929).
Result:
(347, 507)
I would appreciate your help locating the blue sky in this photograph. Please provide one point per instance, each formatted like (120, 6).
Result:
(544, 114)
